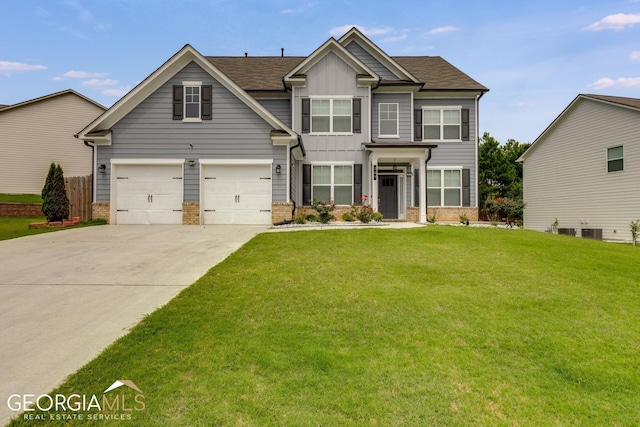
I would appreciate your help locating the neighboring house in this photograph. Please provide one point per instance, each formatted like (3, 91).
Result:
(248, 140)
(584, 170)
(40, 131)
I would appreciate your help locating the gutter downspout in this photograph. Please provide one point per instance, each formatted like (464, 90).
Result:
(426, 193)
(299, 144)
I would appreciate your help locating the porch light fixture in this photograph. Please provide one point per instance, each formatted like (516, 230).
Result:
(278, 169)
(102, 168)
(191, 162)
(409, 173)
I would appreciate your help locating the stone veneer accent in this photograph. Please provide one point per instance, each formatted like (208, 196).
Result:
(101, 210)
(413, 214)
(191, 213)
(281, 211)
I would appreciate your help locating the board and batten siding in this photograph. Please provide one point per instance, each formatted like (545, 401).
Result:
(34, 135)
(235, 132)
(331, 77)
(405, 111)
(565, 174)
(456, 154)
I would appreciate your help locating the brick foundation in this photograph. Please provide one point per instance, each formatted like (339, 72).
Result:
(101, 210)
(281, 211)
(413, 214)
(20, 209)
(191, 213)
(453, 214)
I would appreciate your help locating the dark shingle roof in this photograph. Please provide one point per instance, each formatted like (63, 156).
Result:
(256, 72)
(629, 102)
(265, 73)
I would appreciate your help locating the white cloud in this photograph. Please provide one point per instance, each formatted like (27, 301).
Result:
(339, 31)
(440, 30)
(617, 22)
(298, 10)
(395, 38)
(16, 67)
(99, 83)
(119, 93)
(621, 82)
(635, 56)
(80, 75)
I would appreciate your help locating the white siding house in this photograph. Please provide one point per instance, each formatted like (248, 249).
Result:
(584, 170)
(40, 131)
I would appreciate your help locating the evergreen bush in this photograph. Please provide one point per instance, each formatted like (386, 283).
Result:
(55, 204)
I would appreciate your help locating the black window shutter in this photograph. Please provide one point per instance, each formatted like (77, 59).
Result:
(466, 187)
(177, 102)
(357, 183)
(306, 115)
(465, 124)
(306, 185)
(416, 187)
(206, 102)
(417, 125)
(357, 115)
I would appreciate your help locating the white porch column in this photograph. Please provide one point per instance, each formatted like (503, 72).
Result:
(374, 182)
(423, 189)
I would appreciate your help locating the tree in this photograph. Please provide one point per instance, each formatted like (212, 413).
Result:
(500, 174)
(55, 204)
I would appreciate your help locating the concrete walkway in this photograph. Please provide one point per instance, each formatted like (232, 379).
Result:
(67, 295)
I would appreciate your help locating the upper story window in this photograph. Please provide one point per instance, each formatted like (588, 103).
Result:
(192, 102)
(615, 159)
(331, 115)
(441, 124)
(388, 120)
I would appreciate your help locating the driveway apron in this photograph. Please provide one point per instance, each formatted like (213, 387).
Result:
(65, 296)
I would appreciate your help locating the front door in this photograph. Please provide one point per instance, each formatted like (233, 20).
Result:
(388, 193)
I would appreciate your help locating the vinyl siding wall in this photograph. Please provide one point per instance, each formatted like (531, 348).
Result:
(565, 175)
(331, 77)
(34, 135)
(235, 132)
(370, 61)
(456, 154)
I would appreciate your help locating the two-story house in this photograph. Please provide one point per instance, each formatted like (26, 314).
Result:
(248, 140)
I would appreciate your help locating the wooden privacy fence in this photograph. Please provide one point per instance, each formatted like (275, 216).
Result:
(79, 193)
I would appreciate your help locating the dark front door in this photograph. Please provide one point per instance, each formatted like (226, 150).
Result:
(388, 195)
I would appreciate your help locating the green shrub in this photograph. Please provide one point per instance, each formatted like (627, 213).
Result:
(55, 204)
(364, 212)
(348, 217)
(463, 219)
(324, 210)
(635, 230)
(432, 219)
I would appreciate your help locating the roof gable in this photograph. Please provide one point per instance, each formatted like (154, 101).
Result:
(330, 46)
(617, 101)
(354, 35)
(177, 62)
(50, 96)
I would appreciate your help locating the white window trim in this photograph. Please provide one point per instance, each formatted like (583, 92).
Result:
(330, 99)
(442, 187)
(606, 153)
(332, 185)
(397, 134)
(454, 107)
(186, 119)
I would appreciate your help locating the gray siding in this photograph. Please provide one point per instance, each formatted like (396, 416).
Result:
(370, 61)
(148, 132)
(405, 111)
(281, 108)
(456, 153)
(565, 175)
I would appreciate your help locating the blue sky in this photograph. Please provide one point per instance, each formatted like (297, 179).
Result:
(535, 56)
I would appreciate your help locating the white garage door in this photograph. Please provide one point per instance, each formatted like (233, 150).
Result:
(148, 194)
(236, 194)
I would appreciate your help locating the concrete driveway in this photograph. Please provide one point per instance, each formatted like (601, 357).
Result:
(65, 296)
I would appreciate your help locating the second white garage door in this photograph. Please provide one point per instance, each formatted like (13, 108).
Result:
(236, 194)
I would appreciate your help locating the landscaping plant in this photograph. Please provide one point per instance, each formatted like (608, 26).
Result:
(55, 204)
(635, 229)
(324, 210)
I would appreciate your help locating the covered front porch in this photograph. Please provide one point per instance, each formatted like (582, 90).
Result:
(397, 177)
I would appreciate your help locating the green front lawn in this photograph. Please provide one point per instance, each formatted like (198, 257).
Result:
(20, 198)
(12, 227)
(431, 326)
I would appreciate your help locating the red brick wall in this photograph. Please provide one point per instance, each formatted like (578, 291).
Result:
(21, 209)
